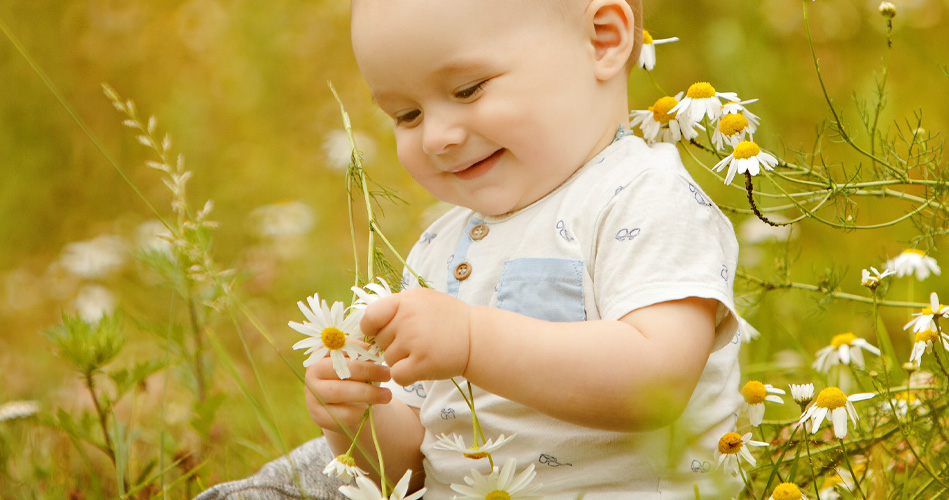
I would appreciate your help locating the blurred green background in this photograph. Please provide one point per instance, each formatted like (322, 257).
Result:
(241, 88)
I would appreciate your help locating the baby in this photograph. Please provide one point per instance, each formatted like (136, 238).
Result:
(583, 282)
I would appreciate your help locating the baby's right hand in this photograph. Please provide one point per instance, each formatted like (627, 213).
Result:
(333, 403)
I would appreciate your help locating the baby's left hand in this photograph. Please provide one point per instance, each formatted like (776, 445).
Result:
(425, 334)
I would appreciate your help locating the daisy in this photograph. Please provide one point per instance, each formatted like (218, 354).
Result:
(371, 292)
(329, 333)
(13, 410)
(913, 261)
(787, 491)
(731, 446)
(731, 130)
(456, 443)
(925, 319)
(902, 402)
(802, 394)
(344, 468)
(739, 107)
(746, 157)
(871, 278)
(659, 124)
(844, 348)
(923, 343)
(367, 490)
(702, 100)
(499, 484)
(746, 331)
(756, 394)
(834, 405)
(647, 58)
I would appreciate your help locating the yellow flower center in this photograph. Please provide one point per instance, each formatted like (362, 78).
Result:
(333, 338)
(928, 335)
(745, 150)
(475, 454)
(701, 90)
(915, 251)
(732, 124)
(660, 110)
(786, 491)
(647, 38)
(346, 460)
(831, 398)
(497, 495)
(842, 339)
(754, 392)
(729, 444)
(928, 310)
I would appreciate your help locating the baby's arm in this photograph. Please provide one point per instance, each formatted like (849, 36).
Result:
(338, 407)
(633, 374)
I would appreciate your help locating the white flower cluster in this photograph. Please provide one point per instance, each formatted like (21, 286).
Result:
(672, 119)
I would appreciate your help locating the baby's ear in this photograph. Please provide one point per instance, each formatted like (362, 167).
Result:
(615, 35)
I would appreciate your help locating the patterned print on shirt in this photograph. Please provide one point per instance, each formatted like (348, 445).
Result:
(448, 413)
(701, 466)
(627, 234)
(550, 461)
(427, 237)
(725, 272)
(417, 388)
(563, 231)
(698, 196)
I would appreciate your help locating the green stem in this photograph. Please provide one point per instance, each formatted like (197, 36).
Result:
(853, 474)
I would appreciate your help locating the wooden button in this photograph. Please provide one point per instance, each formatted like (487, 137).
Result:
(478, 232)
(462, 271)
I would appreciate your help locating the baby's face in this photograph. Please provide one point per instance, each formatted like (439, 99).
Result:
(491, 99)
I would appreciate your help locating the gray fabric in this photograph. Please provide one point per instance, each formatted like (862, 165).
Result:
(276, 481)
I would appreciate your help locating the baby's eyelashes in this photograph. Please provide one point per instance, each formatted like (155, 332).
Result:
(408, 118)
(470, 92)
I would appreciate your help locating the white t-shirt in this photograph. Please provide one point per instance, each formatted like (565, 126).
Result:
(629, 229)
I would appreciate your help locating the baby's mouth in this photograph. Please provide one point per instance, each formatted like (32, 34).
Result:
(480, 167)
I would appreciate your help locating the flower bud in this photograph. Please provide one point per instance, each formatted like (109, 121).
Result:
(887, 10)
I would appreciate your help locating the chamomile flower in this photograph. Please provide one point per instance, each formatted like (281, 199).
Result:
(731, 130)
(787, 491)
(499, 484)
(13, 410)
(835, 406)
(344, 468)
(844, 348)
(923, 343)
(659, 124)
(329, 332)
(702, 100)
(913, 261)
(647, 58)
(871, 278)
(732, 107)
(802, 394)
(756, 394)
(746, 331)
(367, 490)
(476, 452)
(732, 446)
(925, 319)
(902, 402)
(746, 157)
(371, 292)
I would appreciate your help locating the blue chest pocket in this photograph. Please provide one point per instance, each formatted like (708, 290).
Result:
(544, 288)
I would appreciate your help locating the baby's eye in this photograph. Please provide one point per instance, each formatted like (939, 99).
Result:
(408, 118)
(471, 92)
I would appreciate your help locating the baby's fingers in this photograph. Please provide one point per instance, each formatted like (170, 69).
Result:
(359, 371)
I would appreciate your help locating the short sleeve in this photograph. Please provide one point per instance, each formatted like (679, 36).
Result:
(661, 239)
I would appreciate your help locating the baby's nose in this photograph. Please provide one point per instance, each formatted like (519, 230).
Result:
(441, 132)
